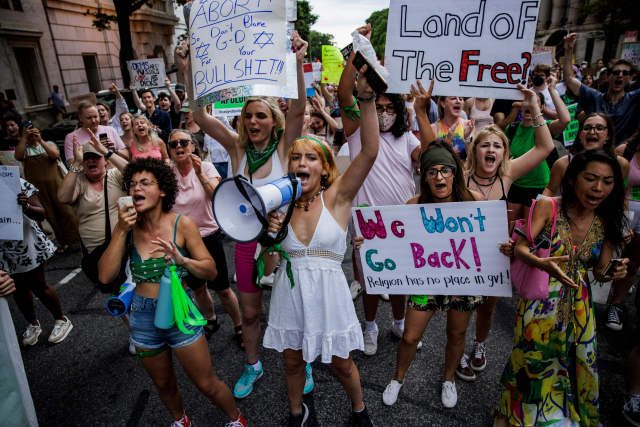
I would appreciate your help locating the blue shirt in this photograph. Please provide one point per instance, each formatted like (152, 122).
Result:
(625, 114)
(162, 119)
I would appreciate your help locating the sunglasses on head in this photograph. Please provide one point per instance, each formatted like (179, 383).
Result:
(183, 143)
(624, 72)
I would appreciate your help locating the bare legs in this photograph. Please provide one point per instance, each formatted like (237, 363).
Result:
(228, 299)
(251, 312)
(484, 318)
(34, 281)
(204, 300)
(621, 287)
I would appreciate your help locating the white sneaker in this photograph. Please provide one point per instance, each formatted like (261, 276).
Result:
(370, 342)
(398, 332)
(355, 289)
(60, 331)
(390, 394)
(30, 336)
(385, 297)
(132, 347)
(449, 394)
(268, 280)
(631, 289)
(235, 277)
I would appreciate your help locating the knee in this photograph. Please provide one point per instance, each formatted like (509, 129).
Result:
(166, 387)
(293, 368)
(456, 338)
(226, 294)
(251, 317)
(210, 387)
(343, 370)
(410, 338)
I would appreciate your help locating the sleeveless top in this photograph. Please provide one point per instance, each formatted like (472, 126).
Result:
(504, 196)
(277, 171)
(153, 152)
(633, 181)
(482, 118)
(458, 136)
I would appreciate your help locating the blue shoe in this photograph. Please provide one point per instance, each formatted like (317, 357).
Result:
(244, 386)
(308, 384)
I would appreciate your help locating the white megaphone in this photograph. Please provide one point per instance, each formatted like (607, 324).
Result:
(236, 215)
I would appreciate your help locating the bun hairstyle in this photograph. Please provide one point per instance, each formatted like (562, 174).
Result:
(472, 162)
(461, 192)
(325, 153)
(276, 115)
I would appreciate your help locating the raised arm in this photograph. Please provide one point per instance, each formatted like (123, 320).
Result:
(117, 161)
(572, 83)
(325, 94)
(422, 102)
(136, 98)
(67, 193)
(346, 101)
(331, 123)
(174, 97)
(558, 126)
(295, 117)
(21, 148)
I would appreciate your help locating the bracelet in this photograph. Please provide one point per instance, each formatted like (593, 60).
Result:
(205, 183)
(533, 118)
(109, 154)
(25, 207)
(540, 125)
(75, 169)
(365, 100)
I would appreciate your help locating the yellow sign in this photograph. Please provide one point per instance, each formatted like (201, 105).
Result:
(332, 60)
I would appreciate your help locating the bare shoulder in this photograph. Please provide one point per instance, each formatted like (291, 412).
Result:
(413, 200)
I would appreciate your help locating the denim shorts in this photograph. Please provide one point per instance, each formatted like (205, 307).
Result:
(144, 333)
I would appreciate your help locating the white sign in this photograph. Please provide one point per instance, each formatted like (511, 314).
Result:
(471, 47)
(541, 58)
(631, 51)
(10, 210)
(237, 43)
(317, 71)
(147, 72)
(435, 249)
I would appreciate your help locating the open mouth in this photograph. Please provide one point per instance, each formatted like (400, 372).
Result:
(304, 177)
(618, 82)
(138, 200)
(591, 141)
(593, 200)
(490, 160)
(180, 152)
(254, 132)
(456, 109)
(92, 168)
(441, 187)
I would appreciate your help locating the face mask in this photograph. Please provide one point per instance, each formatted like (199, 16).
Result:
(385, 121)
(538, 81)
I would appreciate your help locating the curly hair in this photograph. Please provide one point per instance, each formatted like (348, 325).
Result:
(162, 173)
(401, 125)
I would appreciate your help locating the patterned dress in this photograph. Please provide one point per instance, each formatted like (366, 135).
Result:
(551, 377)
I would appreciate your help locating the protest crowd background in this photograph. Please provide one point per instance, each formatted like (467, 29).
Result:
(288, 212)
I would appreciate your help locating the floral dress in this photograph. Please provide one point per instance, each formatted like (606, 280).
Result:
(551, 377)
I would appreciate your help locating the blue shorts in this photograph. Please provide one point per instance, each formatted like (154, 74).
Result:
(144, 333)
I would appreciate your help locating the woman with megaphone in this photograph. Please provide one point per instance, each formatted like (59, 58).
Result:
(144, 229)
(258, 152)
(312, 313)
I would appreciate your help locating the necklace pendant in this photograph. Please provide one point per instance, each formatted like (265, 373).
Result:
(306, 208)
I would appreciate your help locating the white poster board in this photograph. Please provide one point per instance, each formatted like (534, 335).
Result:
(471, 47)
(541, 58)
(10, 210)
(317, 71)
(631, 51)
(434, 249)
(147, 72)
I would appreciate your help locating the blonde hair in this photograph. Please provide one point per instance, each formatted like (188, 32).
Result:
(152, 134)
(84, 105)
(126, 113)
(471, 162)
(325, 153)
(276, 114)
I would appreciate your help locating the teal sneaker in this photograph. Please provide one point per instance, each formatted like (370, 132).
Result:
(308, 384)
(244, 386)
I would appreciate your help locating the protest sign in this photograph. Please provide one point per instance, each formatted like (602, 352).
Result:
(317, 71)
(543, 49)
(147, 72)
(471, 47)
(541, 58)
(75, 100)
(434, 249)
(332, 60)
(10, 210)
(308, 79)
(571, 131)
(8, 158)
(631, 51)
(240, 49)
(229, 107)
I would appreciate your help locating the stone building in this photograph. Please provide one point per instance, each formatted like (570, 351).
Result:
(51, 42)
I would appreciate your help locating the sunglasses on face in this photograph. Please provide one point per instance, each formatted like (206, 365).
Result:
(624, 72)
(183, 143)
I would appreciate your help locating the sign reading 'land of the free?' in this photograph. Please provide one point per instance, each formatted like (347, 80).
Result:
(237, 43)
(147, 72)
(471, 47)
(434, 249)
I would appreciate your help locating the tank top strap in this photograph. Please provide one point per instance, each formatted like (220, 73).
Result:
(175, 230)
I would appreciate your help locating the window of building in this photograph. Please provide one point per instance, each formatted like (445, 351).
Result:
(159, 6)
(93, 74)
(6, 4)
(17, 5)
(31, 73)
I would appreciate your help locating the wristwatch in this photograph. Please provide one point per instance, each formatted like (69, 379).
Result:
(109, 154)
(75, 169)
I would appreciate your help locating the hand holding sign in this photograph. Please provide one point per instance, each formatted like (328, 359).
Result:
(365, 31)
(570, 41)
(181, 58)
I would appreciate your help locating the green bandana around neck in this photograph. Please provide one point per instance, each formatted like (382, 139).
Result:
(256, 158)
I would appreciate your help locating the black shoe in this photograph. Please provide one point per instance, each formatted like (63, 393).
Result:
(211, 327)
(631, 409)
(299, 420)
(361, 419)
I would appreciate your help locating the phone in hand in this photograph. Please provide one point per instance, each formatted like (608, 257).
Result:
(123, 201)
(103, 136)
(375, 80)
(27, 124)
(610, 268)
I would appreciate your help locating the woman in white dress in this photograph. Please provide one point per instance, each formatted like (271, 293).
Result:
(313, 315)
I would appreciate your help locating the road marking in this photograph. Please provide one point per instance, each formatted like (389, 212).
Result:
(70, 276)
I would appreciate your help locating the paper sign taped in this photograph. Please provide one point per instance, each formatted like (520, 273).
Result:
(229, 107)
(308, 79)
(147, 72)
(10, 211)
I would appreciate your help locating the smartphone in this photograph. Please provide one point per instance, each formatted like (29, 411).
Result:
(347, 51)
(103, 136)
(611, 267)
(27, 124)
(123, 201)
(375, 80)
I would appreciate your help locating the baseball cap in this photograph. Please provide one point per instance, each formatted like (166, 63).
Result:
(180, 87)
(88, 148)
(185, 108)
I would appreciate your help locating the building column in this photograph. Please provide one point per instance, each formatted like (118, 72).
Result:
(559, 12)
(574, 8)
(544, 16)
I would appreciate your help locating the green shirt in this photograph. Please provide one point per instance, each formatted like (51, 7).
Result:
(524, 140)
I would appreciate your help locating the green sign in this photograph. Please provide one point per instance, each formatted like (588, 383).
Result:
(230, 107)
(571, 131)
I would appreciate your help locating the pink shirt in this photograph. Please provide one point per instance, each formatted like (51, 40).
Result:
(83, 136)
(390, 181)
(154, 152)
(192, 200)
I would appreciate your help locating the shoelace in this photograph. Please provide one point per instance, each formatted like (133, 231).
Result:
(463, 361)
(614, 314)
(368, 336)
(248, 375)
(478, 349)
(178, 424)
(633, 404)
(31, 329)
(394, 386)
(236, 423)
(447, 388)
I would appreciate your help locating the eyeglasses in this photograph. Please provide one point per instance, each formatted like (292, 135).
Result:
(183, 143)
(599, 129)
(624, 72)
(446, 172)
(389, 109)
(144, 183)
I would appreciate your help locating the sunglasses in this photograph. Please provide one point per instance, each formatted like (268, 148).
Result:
(624, 72)
(183, 143)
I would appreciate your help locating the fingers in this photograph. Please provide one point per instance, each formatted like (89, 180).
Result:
(363, 69)
(566, 281)
(559, 259)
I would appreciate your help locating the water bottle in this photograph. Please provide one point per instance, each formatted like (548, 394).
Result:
(165, 317)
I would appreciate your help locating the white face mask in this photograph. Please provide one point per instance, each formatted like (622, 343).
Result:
(385, 121)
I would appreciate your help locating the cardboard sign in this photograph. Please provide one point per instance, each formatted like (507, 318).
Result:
(543, 49)
(308, 79)
(317, 71)
(75, 100)
(147, 72)
(471, 47)
(229, 107)
(332, 60)
(541, 58)
(434, 249)
(10, 210)
(631, 51)
(570, 133)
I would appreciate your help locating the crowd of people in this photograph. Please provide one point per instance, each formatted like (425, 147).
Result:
(169, 159)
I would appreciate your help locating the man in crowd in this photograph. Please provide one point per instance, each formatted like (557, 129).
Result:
(58, 104)
(540, 74)
(178, 98)
(88, 112)
(623, 108)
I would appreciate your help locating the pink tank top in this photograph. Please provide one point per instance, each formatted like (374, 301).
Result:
(153, 152)
(633, 181)
(482, 118)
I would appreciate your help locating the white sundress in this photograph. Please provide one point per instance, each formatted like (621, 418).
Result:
(317, 316)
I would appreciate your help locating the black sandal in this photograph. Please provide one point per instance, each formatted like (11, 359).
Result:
(238, 337)
(211, 328)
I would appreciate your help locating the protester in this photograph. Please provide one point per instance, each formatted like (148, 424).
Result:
(58, 104)
(120, 108)
(197, 180)
(9, 112)
(146, 142)
(479, 109)
(284, 106)
(552, 373)
(178, 99)
(588, 81)
(104, 113)
(24, 261)
(152, 228)
(540, 75)
(217, 154)
(317, 288)
(126, 124)
(12, 130)
(164, 103)
(42, 169)
(160, 119)
(451, 127)
(258, 152)
(623, 108)
(321, 122)
(191, 126)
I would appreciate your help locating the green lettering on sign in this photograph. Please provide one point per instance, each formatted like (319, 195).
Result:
(570, 133)
(229, 107)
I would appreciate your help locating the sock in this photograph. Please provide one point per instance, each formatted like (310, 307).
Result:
(299, 414)
(213, 318)
(400, 382)
(360, 411)
(398, 324)
(371, 326)
(256, 365)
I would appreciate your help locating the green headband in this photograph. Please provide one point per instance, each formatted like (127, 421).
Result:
(437, 156)
(326, 154)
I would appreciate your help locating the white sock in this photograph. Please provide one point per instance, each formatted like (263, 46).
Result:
(398, 324)
(256, 365)
(357, 412)
(371, 326)
(213, 318)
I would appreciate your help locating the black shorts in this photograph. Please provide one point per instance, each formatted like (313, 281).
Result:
(213, 243)
(522, 195)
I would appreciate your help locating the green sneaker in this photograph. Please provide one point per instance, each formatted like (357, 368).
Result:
(244, 386)
(309, 383)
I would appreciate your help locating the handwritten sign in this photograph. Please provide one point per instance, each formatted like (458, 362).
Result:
(147, 72)
(570, 133)
(8, 158)
(10, 210)
(631, 51)
(543, 49)
(471, 47)
(317, 71)
(229, 107)
(75, 100)
(435, 249)
(541, 58)
(332, 60)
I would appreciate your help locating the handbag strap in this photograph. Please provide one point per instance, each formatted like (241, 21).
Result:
(107, 222)
(555, 218)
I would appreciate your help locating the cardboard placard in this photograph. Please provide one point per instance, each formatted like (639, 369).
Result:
(10, 211)
(75, 100)
(317, 71)
(147, 72)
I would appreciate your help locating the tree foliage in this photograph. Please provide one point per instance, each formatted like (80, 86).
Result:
(378, 21)
(316, 40)
(305, 20)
